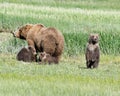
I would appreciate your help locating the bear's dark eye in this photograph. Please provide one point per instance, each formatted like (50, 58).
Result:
(20, 30)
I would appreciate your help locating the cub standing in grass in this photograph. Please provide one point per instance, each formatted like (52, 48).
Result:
(47, 58)
(92, 51)
(26, 55)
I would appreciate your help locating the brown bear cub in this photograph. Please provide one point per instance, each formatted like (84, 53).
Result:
(92, 51)
(26, 55)
(47, 58)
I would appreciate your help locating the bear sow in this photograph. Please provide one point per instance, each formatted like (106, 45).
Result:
(42, 39)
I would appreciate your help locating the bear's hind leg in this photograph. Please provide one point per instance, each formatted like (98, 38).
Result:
(95, 65)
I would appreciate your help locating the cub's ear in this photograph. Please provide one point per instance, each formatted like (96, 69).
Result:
(42, 54)
(48, 55)
(91, 35)
(30, 49)
(97, 35)
(94, 34)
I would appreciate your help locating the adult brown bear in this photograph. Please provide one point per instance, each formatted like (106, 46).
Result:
(41, 39)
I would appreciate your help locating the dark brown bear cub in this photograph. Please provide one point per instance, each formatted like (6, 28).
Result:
(47, 58)
(92, 51)
(26, 55)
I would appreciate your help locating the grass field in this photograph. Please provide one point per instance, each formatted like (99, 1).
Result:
(76, 19)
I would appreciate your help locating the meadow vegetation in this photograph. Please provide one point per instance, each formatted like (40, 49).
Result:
(76, 19)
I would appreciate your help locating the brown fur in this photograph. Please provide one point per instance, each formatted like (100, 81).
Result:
(42, 39)
(26, 55)
(47, 58)
(92, 51)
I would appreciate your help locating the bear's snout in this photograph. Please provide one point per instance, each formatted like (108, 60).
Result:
(16, 34)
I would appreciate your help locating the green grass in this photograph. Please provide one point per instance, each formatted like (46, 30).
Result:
(75, 23)
(69, 78)
(87, 4)
(76, 19)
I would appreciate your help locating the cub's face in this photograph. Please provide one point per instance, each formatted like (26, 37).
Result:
(44, 56)
(22, 31)
(94, 38)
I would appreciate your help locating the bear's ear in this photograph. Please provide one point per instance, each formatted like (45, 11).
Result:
(48, 55)
(30, 49)
(91, 35)
(42, 54)
(97, 35)
(42, 25)
(28, 26)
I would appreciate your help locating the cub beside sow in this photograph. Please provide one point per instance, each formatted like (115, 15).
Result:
(26, 55)
(47, 58)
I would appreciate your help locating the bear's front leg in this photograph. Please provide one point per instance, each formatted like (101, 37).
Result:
(32, 45)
